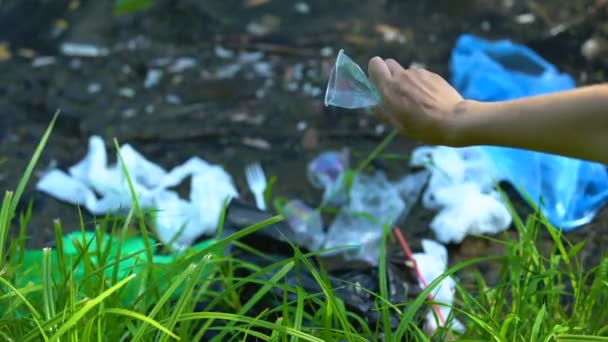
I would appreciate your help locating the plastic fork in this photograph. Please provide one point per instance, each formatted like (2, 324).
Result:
(256, 180)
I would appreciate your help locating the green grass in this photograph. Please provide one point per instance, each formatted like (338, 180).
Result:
(82, 294)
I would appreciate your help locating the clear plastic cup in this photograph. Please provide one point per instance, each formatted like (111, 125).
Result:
(349, 87)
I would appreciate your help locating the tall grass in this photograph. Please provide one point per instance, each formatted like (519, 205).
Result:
(540, 296)
(203, 295)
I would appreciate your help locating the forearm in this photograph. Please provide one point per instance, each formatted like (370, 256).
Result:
(572, 123)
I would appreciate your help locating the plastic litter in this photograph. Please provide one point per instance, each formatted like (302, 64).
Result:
(374, 205)
(433, 262)
(350, 279)
(132, 259)
(103, 188)
(572, 190)
(410, 187)
(349, 87)
(306, 223)
(327, 171)
(461, 188)
(366, 207)
(83, 50)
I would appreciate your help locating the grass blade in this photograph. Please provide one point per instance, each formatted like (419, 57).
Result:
(258, 295)
(580, 338)
(30, 166)
(36, 315)
(186, 295)
(88, 306)
(5, 224)
(384, 289)
(537, 323)
(236, 318)
(145, 319)
(48, 296)
(164, 299)
(408, 315)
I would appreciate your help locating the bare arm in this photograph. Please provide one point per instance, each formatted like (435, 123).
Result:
(424, 106)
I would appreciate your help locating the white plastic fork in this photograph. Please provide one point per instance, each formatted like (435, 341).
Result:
(257, 183)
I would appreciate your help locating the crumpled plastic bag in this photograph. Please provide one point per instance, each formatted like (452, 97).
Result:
(572, 190)
(462, 189)
(365, 208)
(306, 224)
(374, 204)
(328, 171)
(433, 262)
(102, 188)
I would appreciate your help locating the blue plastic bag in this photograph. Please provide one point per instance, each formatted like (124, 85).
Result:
(569, 191)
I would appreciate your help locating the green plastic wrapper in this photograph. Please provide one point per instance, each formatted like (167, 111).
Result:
(132, 260)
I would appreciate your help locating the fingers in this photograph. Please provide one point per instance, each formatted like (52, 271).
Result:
(394, 66)
(379, 73)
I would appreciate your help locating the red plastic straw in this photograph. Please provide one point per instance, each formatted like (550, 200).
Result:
(410, 256)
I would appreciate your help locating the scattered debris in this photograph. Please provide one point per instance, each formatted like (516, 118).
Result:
(257, 143)
(126, 69)
(250, 57)
(461, 188)
(306, 223)
(255, 3)
(228, 71)
(301, 126)
(5, 52)
(43, 61)
(373, 204)
(595, 48)
(391, 34)
(250, 119)
(103, 188)
(327, 171)
(327, 51)
(83, 50)
(93, 88)
(264, 25)
(126, 92)
(129, 113)
(302, 7)
(432, 264)
(173, 99)
(526, 18)
(312, 91)
(557, 29)
(485, 26)
(153, 77)
(223, 53)
(26, 53)
(181, 64)
(263, 69)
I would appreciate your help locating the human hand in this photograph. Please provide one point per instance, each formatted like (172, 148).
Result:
(419, 103)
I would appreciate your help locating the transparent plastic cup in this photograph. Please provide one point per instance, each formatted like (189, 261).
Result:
(349, 87)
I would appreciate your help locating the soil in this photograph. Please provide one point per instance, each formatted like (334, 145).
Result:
(269, 112)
